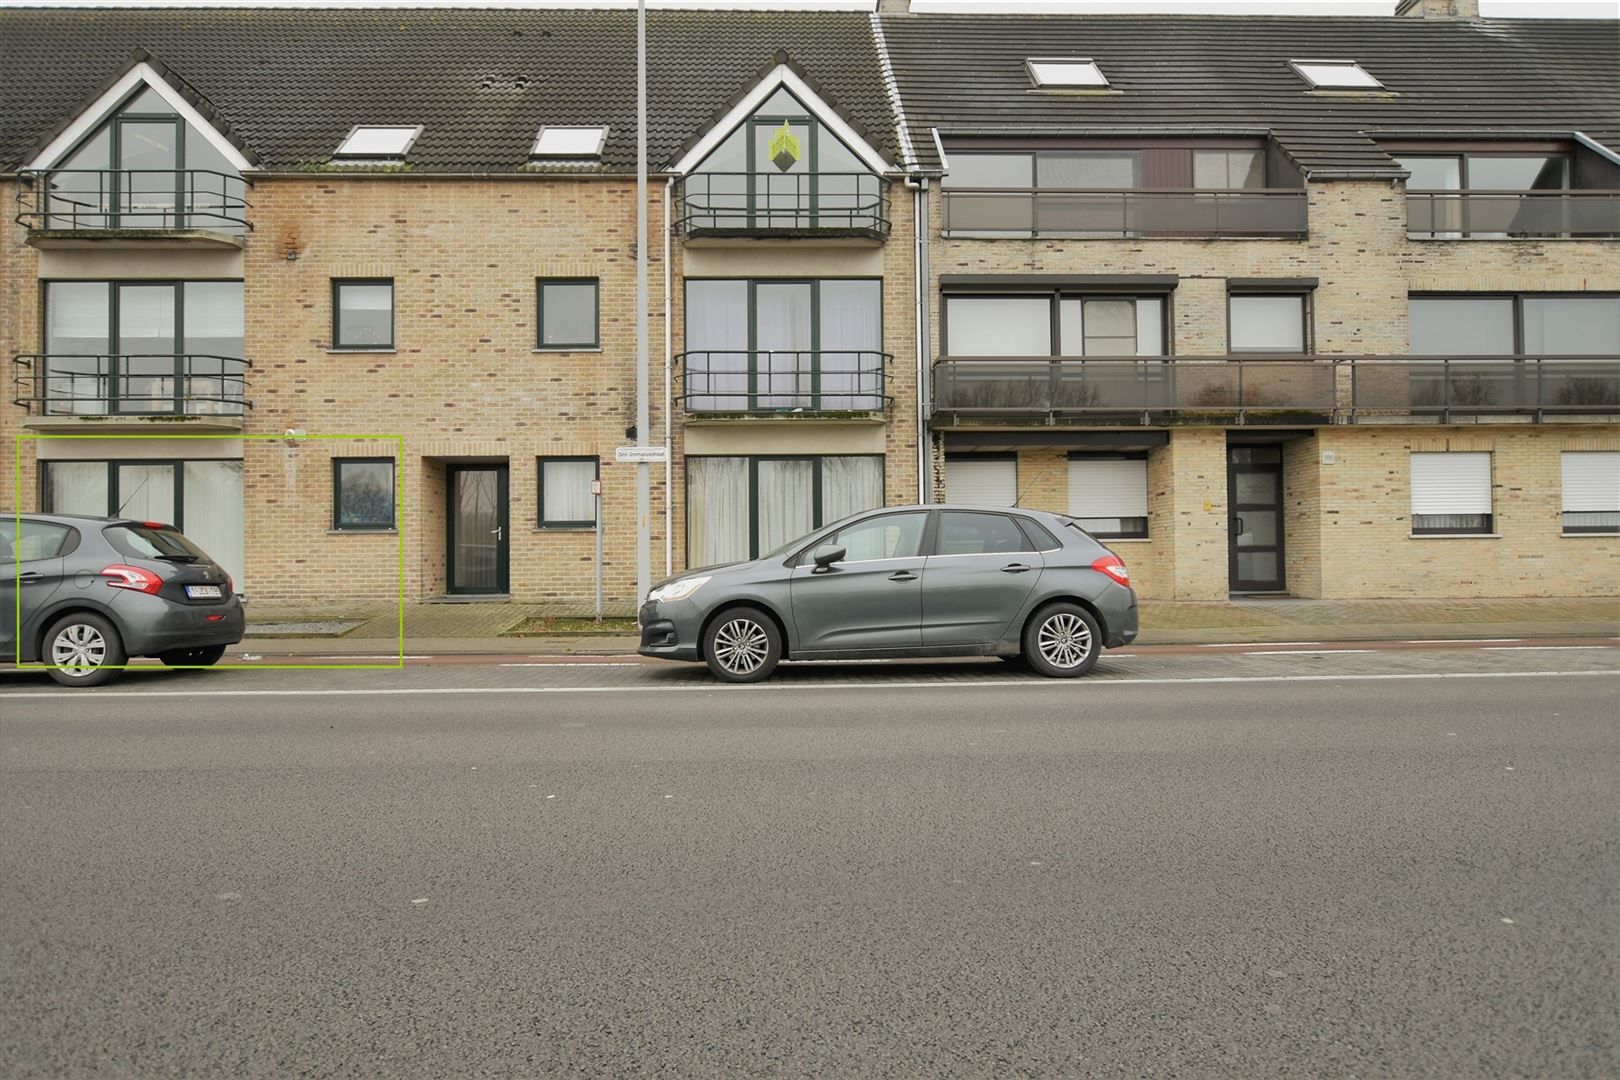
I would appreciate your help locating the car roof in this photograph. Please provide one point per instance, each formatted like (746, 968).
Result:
(67, 518)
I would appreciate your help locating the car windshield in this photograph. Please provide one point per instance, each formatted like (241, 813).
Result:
(147, 542)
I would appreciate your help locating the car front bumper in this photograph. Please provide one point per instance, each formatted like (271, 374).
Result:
(670, 629)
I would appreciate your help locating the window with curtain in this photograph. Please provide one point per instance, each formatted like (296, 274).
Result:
(565, 498)
(1021, 326)
(363, 314)
(1267, 323)
(1109, 495)
(742, 507)
(1591, 491)
(1451, 493)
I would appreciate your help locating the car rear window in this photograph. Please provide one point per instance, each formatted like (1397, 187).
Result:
(146, 542)
(1043, 540)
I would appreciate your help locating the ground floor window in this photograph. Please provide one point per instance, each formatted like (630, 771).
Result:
(1451, 493)
(1591, 483)
(981, 479)
(566, 500)
(362, 493)
(743, 507)
(203, 499)
(1108, 494)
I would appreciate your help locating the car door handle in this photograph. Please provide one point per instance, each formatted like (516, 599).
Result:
(902, 575)
(30, 575)
(1015, 568)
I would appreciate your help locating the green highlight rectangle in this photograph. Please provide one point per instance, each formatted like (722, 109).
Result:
(399, 515)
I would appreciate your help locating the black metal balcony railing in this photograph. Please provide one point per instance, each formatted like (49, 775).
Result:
(1462, 215)
(783, 204)
(1138, 388)
(781, 381)
(160, 384)
(107, 199)
(1481, 385)
(1137, 212)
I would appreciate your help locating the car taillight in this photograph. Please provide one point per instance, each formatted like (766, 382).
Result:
(230, 585)
(1114, 567)
(120, 576)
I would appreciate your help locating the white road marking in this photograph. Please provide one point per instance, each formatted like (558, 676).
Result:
(82, 696)
(1547, 648)
(576, 663)
(1307, 652)
(1247, 644)
(1457, 641)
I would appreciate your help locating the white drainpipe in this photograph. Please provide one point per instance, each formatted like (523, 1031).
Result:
(669, 401)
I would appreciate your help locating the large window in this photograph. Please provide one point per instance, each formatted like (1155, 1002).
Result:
(363, 314)
(1269, 324)
(566, 313)
(1031, 325)
(1525, 325)
(565, 498)
(1591, 491)
(362, 493)
(1485, 171)
(143, 347)
(1451, 493)
(780, 345)
(1108, 494)
(742, 507)
(203, 499)
(1229, 169)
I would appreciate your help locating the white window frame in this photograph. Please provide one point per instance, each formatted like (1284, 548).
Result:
(1365, 82)
(1592, 487)
(1454, 483)
(346, 152)
(1083, 73)
(591, 139)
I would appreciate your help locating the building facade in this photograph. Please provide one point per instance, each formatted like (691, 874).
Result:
(1266, 322)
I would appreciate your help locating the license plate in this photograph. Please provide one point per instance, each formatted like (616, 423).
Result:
(203, 592)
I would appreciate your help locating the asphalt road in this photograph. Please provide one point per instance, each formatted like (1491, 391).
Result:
(1250, 865)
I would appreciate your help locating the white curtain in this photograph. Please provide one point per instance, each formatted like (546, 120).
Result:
(567, 488)
(782, 331)
(786, 510)
(717, 345)
(213, 512)
(146, 493)
(851, 342)
(76, 487)
(849, 485)
(716, 510)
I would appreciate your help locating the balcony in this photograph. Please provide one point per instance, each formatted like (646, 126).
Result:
(196, 392)
(1159, 390)
(1138, 213)
(1512, 215)
(1428, 390)
(757, 206)
(122, 208)
(829, 383)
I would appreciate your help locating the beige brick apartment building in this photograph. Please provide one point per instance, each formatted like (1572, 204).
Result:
(1321, 306)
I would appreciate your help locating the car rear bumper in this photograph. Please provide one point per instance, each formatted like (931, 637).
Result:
(153, 625)
(1120, 617)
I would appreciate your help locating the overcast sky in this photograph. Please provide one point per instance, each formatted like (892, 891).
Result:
(1499, 8)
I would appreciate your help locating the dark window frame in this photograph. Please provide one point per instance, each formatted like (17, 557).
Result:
(1055, 298)
(540, 342)
(1462, 157)
(540, 491)
(1487, 523)
(1126, 455)
(337, 313)
(1516, 299)
(338, 525)
(1585, 530)
(1307, 298)
(753, 491)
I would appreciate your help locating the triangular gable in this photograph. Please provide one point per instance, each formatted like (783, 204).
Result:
(783, 76)
(145, 69)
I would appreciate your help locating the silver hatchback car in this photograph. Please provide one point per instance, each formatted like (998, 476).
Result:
(903, 581)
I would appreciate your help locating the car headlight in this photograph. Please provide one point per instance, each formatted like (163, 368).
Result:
(678, 590)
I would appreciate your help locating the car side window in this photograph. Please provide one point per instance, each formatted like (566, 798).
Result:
(892, 536)
(39, 539)
(967, 533)
(1043, 540)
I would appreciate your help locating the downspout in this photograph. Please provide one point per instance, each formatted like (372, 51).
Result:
(925, 479)
(669, 411)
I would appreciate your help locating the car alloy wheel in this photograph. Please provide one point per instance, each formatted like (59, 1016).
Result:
(79, 649)
(83, 649)
(1064, 640)
(741, 646)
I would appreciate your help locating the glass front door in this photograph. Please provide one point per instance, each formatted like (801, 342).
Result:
(1255, 522)
(477, 544)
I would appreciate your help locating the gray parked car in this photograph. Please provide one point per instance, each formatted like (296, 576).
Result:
(97, 591)
(903, 581)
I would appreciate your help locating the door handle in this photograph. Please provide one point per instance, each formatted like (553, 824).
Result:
(30, 575)
(496, 532)
(902, 575)
(1016, 568)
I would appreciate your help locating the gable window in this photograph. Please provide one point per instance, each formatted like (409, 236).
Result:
(1268, 324)
(1065, 74)
(377, 143)
(569, 142)
(1451, 493)
(362, 494)
(1591, 492)
(1053, 324)
(566, 500)
(363, 314)
(1335, 75)
(981, 479)
(566, 312)
(1108, 495)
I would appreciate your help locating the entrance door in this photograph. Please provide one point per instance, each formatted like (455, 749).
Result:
(1255, 524)
(477, 547)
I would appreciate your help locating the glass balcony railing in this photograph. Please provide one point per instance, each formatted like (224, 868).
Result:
(1115, 214)
(717, 204)
(161, 384)
(780, 381)
(102, 200)
(1500, 215)
(1443, 387)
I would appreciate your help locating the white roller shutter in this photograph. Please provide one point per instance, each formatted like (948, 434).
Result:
(1451, 483)
(1108, 488)
(981, 481)
(1591, 482)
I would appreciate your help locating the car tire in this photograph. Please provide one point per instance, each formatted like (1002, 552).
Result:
(203, 656)
(1062, 641)
(742, 645)
(83, 649)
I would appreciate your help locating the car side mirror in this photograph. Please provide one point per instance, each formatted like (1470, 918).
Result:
(825, 555)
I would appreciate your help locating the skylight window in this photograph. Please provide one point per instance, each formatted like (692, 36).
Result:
(378, 143)
(1335, 75)
(569, 142)
(1064, 73)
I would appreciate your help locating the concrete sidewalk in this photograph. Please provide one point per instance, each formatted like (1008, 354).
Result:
(440, 629)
